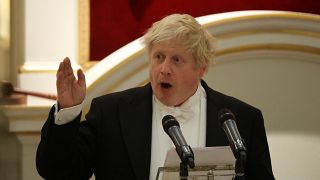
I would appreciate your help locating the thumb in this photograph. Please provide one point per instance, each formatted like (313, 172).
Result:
(81, 78)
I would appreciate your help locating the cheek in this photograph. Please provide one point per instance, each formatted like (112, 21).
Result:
(189, 79)
(152, 72)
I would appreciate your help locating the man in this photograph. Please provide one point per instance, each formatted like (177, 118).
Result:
(122, 136)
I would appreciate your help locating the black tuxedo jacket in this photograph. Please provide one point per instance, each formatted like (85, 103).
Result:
(115, 140)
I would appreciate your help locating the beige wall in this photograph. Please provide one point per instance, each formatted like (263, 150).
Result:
(10, 150)
(4, 39)
(4, 61)
(286, 89)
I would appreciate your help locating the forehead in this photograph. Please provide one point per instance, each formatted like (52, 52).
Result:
(171, 46)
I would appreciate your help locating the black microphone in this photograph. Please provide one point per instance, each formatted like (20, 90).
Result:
(172, 128)
(228, 123)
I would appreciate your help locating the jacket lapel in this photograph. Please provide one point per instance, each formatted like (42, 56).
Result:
(215, 135)
(136, 123)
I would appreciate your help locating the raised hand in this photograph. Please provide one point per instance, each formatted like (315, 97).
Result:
(70, 91)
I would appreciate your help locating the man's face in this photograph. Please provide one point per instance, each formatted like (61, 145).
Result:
(173, 73)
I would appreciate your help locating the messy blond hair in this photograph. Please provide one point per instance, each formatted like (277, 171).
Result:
(187, 30)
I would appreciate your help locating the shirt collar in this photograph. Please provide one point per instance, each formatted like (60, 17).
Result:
(184, 112)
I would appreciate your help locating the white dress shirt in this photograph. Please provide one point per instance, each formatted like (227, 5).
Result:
(191, 116)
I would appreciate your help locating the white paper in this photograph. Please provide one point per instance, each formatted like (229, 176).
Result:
(221, 156)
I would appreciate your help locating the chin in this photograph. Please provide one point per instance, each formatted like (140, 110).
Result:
(168, 103)
(165, 101)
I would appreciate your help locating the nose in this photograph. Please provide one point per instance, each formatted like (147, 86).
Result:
(166, 67)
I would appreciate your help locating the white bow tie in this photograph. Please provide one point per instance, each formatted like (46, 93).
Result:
(186, 111)
(182, 114)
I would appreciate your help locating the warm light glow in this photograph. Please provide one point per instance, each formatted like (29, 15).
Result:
(44, 67)
(4, 19)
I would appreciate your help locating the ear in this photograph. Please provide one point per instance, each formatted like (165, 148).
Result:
(202, 71)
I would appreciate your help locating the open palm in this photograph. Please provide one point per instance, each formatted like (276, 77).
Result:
(71, 91)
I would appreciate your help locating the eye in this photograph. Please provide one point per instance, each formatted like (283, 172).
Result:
(158, 57)
(176, 60)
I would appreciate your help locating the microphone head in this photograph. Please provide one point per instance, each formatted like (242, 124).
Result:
(169, 121)
(225, 114)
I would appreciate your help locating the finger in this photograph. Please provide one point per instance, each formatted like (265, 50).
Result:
(60, 69)
(64, 62)
(81, 78)
(60, 74)
(61, 84)
(68, 67)
(60, 79)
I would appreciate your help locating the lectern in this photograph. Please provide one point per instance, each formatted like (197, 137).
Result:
(212, 163)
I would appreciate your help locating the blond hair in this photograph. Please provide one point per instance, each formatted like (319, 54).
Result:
(187, 30)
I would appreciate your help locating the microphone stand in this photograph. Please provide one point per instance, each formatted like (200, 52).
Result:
(240, 165)
(184, 171)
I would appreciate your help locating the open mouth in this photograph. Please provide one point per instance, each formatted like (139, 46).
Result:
(165, 85)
